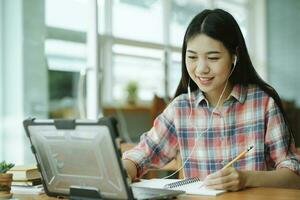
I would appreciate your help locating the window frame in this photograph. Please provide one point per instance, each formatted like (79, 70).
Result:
(106, 40)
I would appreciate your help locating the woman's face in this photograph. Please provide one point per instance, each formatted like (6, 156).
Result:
(209, 64)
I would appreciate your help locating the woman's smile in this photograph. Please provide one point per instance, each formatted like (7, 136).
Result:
(205, 80)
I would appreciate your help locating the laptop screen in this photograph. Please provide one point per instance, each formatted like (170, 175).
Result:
(84, 156)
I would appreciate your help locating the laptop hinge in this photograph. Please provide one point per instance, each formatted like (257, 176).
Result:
(64, 123)
(84, 193)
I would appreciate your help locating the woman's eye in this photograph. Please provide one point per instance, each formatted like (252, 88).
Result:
(192, 57)
(213, 58)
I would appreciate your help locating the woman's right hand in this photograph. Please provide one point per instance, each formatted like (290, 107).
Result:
(130, 168)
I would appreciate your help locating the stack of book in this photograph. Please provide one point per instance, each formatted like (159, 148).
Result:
(26, 180)
(33, 190)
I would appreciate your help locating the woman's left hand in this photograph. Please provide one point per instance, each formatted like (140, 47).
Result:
(229, 179)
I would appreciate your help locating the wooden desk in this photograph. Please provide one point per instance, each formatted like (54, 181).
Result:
(251, 193)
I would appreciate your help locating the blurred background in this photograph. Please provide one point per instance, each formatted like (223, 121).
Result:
(90, 58)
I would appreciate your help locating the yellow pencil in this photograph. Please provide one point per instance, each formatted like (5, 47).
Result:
(238, 157)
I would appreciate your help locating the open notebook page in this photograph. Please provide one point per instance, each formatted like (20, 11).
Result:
(191, 188)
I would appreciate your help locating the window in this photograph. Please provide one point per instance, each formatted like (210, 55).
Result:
(133, 45)
(137, 19)
(63, 94)
(66, 59)
(239, 11)
(142, 65)
(65, 62)
(174, 73)
(65, 55)
(182, 12)
(75, 18)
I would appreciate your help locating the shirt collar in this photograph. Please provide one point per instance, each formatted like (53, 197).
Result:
(199, 97)
(239, 92)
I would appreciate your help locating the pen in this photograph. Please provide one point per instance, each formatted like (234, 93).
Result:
(238, 157)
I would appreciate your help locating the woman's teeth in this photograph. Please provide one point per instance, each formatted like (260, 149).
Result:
(205, 78)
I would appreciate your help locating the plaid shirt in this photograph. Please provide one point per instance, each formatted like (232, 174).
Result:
(248, 117)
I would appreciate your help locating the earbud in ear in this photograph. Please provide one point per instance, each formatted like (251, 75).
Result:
(234, 60)
(234, 64)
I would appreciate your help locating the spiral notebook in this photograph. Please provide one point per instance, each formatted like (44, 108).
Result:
(190, 186)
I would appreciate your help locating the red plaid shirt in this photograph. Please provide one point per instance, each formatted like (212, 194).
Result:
(248, 117)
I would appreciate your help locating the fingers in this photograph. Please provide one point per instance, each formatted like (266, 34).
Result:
(228, 179)
(217, 180)
(231, 186)
(220, 173)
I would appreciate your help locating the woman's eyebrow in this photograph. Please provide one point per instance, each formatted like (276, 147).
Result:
(208, 53)
(213, 52)
(191, 51)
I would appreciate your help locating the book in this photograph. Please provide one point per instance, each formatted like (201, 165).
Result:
(5, 195)
(24, 172)
(34, 190)
(27, 183)
(190, 186)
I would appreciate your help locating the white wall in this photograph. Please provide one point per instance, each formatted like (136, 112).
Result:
(11, 78)
(1, 73)
(283, 47)
(24, 75)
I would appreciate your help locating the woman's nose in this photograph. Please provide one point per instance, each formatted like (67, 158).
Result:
(202, 67)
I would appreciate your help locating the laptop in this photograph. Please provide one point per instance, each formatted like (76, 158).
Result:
(80, 159)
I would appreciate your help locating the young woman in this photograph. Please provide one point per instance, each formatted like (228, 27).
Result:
(221, 107)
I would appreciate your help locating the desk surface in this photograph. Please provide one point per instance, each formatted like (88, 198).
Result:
(251, 193)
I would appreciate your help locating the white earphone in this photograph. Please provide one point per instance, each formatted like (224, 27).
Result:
(234, 61)
(234, 64)
(189, 92)
(210, 118)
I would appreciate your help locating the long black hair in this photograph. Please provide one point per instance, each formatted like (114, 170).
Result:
(221, 25)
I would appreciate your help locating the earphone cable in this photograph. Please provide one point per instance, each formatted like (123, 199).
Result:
(209, 123)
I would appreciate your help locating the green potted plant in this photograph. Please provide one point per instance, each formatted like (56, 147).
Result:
(5, 179)
(132, 89)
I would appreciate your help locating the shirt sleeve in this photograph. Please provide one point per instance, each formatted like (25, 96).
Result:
(279, 154)
(157, 146)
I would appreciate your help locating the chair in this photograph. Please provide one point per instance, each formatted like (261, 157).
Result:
(157, 107)
(293, 118)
